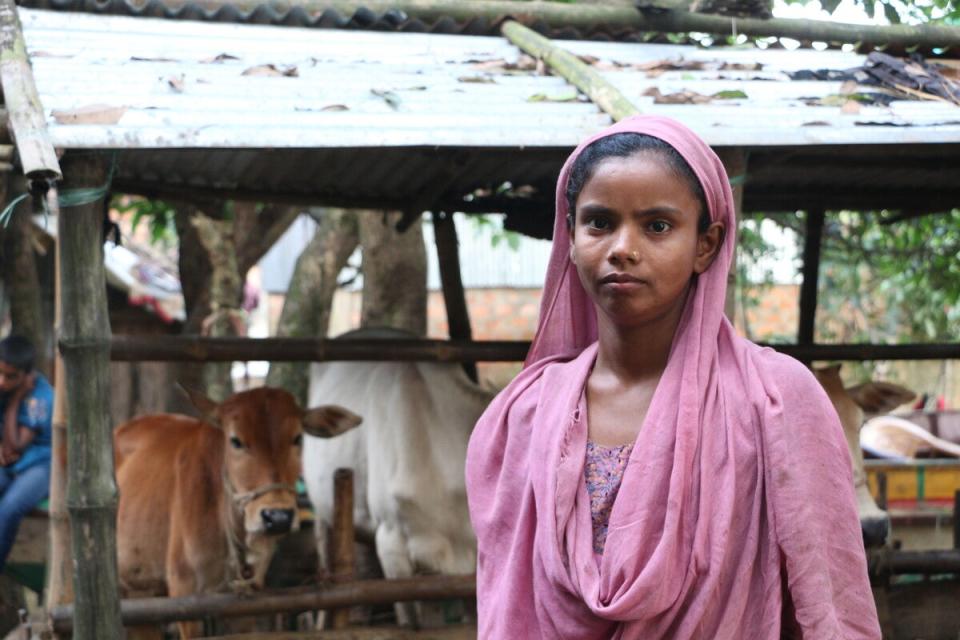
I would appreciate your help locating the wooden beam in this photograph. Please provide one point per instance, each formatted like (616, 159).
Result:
(811, 276)
(146, 611)
(199, 349)
(454, 298)
(85, 345)
(929, 562)
(27, 123)
(656, 16)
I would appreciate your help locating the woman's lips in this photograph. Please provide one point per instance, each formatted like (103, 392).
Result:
(620, 278)
(620, 282)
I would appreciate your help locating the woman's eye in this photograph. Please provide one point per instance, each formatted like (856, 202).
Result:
(235, 442)
(297, 441)
(598, 223)
(659, 226)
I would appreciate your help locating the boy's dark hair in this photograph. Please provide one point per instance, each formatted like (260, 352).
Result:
(18, 352)
(623, 145)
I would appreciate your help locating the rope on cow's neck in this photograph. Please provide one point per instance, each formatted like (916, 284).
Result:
(240, 575)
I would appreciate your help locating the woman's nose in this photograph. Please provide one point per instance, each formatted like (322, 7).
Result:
(624, 249)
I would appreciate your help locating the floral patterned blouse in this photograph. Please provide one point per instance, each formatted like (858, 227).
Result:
(603, 472)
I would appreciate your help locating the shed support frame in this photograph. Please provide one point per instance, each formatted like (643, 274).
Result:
(85, 345)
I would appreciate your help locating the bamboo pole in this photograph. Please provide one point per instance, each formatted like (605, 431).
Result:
(454, 298)
(197, 349)
(572, 68)
(658, 16)
(59, 583)
(85, 344)
(148, 611)
(26, 120)
(341, 539)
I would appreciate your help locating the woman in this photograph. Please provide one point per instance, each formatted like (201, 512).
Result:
(726, 507)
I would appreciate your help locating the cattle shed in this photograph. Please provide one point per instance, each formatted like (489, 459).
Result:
(417, 122)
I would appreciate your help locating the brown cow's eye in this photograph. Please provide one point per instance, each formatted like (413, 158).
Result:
(298, 440)
(235, 442)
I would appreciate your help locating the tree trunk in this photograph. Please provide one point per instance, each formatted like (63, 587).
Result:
(255, 233)
(306, 308)
(394, 273)
(193, 266)
(226, 289)
(91, 490)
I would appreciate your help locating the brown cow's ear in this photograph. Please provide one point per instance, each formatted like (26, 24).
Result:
(206, 406)
(329, 421)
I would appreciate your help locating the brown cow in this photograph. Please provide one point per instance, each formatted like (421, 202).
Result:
(851, 403)
(202, 501)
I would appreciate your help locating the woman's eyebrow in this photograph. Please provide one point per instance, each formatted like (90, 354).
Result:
(659, 211)
(595, 208)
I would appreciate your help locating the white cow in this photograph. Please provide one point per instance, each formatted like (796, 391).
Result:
(408, 459)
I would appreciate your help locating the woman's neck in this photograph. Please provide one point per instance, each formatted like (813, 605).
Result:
(636, 353)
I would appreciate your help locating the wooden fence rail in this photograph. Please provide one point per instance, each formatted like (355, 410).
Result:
(201, 349)
(146, 611)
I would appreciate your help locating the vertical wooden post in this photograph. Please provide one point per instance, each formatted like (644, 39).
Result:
(956, 519)
(59, 559)
(85, 344)
(811, 276)
(341, 540)
(454, 298)
(734, 160)
(882, 490)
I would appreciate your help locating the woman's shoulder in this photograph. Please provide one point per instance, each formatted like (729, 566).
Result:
(786, 372)
(774, 380)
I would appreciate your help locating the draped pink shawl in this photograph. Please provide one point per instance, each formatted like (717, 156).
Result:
(737, 501)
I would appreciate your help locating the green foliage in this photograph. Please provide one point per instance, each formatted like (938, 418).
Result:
(896, 11)
(159, 216)
(896, 282)
(494, 226)
(905, 274)
(879, 283)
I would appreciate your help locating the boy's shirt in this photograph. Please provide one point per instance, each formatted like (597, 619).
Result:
(35, 413)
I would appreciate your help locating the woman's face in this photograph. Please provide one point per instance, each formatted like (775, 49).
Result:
(635, 241)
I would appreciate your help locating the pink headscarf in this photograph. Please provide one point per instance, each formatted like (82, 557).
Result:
(738, 489)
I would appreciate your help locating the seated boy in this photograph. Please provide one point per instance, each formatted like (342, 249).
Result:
(26, 408)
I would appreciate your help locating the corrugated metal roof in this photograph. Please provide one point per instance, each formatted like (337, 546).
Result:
(182, 85)
(418, 120)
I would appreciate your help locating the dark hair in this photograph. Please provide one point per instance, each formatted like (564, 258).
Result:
(624, 145)
(18, 352)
